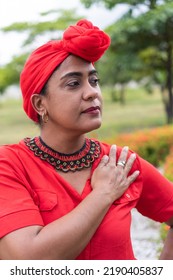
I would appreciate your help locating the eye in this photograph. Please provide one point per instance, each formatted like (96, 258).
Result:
(94, 81)
(73, 84)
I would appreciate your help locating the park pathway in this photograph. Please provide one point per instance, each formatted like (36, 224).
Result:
(145, 237)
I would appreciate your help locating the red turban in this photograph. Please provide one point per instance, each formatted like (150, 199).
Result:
(83, 40)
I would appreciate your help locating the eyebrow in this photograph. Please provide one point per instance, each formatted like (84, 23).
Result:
(79, 74)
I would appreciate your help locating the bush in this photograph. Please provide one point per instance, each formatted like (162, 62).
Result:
(156, 146)
(152, 144)
(168, 166)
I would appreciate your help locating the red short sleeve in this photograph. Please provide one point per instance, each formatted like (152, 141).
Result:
(17, 206)
(156, 200)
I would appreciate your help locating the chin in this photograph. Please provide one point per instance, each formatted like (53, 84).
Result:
(92, 127)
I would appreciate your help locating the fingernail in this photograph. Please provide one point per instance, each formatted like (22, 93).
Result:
(133, 155)
(113, 146)
(105, 157)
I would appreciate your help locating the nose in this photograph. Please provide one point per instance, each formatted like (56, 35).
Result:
(90, 92)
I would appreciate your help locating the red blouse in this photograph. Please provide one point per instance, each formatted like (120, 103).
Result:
(33, 193)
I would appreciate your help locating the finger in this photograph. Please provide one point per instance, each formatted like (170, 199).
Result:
(133, 177)
(123, 156)
(104, 161)
(130, 162)
(112, 155)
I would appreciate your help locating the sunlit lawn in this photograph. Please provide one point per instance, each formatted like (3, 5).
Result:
(141, 110)
(14, 124)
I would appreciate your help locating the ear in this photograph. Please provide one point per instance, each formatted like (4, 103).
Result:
(38, 103)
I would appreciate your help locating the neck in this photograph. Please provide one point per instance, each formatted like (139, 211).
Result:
(65, 144)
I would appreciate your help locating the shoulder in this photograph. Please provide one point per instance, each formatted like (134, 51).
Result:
(105, 148)
(8, 150)
(12, 152)
(140, 164)
(15, 158)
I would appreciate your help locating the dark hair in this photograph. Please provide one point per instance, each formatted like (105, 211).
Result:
(43, 92)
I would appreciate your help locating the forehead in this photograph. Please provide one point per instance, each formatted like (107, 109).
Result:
(75, 63)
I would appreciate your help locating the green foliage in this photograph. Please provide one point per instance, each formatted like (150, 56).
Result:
(141, 111)
(63, 18)
(14, 123)
(169, 166)
(152, 28)
(164, 231)
(142, 47)
(153, 145)
(9, 73)
(112, 3)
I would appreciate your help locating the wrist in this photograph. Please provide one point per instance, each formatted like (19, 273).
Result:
(104, 197)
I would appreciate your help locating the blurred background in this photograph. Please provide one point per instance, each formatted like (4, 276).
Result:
(136, 75)
(136, 72)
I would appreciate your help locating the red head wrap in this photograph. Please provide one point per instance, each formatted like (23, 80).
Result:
(83, 40)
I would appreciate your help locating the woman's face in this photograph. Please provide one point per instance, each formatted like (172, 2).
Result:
(73, 100)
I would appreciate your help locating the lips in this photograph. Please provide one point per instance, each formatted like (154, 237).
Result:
(91, 109)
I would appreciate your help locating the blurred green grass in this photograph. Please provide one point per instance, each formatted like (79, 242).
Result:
(141, 110)
(14, 124)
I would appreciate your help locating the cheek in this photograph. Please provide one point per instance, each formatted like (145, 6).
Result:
(100, 98)
(63, 108)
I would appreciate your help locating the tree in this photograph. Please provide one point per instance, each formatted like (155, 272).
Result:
(9, 73)
(118, 69)
(147, 37)
(151, 4)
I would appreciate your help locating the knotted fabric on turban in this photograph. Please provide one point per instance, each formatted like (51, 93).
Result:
(83, 39)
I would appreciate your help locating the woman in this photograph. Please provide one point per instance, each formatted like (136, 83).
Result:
(63, 195)
(167, 252)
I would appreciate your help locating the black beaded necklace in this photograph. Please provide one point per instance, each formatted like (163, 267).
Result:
(77, 161)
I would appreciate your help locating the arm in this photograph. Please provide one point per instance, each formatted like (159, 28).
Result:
(156, 199)
(167, 251)
(156, 202)
(66, 237)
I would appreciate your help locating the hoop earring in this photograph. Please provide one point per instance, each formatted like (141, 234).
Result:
(45, 117)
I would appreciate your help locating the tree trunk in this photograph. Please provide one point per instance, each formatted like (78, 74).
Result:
(169, 85)
(153, 4)
(122, 94)
(114, 97)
